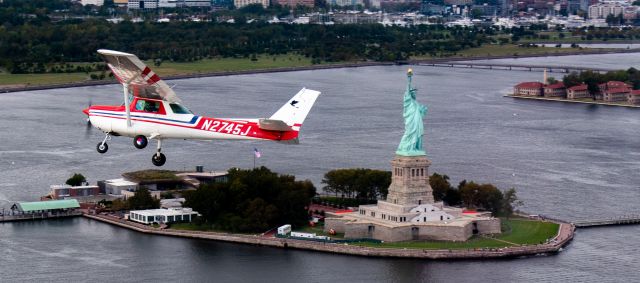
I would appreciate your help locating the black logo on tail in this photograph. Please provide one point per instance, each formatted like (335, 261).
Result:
(293, 103)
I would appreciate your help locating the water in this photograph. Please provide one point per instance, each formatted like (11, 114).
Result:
(567, 160)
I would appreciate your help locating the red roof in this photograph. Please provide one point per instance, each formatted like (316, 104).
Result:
(579, 87)
(613, 84)
(530, 85)
(635, 92)
(618, 90)
(556, 85)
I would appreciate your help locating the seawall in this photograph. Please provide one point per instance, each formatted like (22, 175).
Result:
(564, 236)
(313, 67)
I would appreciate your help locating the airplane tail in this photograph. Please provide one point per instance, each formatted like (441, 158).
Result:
(291, 115)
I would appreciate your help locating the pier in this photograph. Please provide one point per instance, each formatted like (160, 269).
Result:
(622, 220)
(514, 67)
(38, 216)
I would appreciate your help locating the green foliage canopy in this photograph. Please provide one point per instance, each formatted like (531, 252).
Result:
(252, 201)
(76, 180)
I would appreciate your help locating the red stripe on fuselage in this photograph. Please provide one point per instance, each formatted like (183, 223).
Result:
(229, 127)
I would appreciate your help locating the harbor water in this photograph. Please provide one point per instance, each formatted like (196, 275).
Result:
(570, 161)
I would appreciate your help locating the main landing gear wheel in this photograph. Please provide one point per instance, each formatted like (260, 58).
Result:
(140, 142)
(102, 147)
(158, 159)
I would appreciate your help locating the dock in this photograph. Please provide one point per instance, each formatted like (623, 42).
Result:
(621, 220)
(514, 67)
(38, 216)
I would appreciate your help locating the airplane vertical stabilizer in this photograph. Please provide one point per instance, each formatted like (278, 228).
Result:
(296, 109)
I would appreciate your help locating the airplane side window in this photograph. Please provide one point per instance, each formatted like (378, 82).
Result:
(179, 109)
(152, 106)
(140, 105)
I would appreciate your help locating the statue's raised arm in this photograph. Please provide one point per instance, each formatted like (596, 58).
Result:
(414, 112)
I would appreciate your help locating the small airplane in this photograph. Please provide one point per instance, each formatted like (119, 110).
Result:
(152, 111)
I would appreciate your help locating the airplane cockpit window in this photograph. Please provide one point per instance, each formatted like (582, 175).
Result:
(179, 109)
(147, 106)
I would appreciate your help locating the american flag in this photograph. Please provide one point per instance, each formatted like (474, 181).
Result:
(257, 152)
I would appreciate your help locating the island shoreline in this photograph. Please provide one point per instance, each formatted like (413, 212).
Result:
(564, 235)
(9, 89)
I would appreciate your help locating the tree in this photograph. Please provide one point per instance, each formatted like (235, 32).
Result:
(510, 202)
(142, 199)
(252, 201)
(485, 196)
(76, 180)
(440, 185)
(551, 80)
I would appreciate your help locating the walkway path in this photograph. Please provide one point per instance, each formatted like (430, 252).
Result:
(564, 236)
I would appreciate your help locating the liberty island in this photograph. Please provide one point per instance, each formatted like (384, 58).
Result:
(410, 211)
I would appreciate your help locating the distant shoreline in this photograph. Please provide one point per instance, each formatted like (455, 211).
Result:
(563, 237)
(8, 89)
(571, 101)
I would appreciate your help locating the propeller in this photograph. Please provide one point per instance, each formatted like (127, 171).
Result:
(89, 127)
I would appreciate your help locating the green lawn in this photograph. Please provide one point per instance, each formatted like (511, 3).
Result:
(7, 79)
(167, 68)
(517, 231)
(506, 50)
(319, 230)
(231, 64)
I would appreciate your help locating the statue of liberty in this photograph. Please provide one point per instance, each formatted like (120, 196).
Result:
(414, 112)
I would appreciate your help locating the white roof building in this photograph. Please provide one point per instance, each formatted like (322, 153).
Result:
(170, 215)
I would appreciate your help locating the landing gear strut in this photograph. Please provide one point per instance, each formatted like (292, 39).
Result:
(158, 159)
(102, 146)
(140, 142)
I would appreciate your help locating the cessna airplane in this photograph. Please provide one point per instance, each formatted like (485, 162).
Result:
(152, 111)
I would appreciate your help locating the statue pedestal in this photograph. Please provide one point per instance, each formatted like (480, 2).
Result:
(410, 181)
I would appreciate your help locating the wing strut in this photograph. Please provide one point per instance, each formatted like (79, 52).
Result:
(125, 90)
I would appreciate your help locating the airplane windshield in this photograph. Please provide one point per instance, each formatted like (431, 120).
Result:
(179, 109)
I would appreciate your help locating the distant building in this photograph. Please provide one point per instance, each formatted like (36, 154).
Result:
(555, 90)
(197, 3)
(92, 2)
(50, 206)
(171, 215)
(602, 10)
(295, 3)
(121, 3)
(529, 89)
(343, 3)
(66, 191)
(613, 91)
(242, 3)
(117, 186)
(578, 91)
(634, 97)
(142, 4)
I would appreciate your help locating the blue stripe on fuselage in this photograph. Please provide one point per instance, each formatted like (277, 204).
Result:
(193, 120)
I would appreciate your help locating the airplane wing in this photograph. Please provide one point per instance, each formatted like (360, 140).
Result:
(127, 68)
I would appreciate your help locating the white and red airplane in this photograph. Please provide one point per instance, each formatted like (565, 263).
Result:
(152, 111)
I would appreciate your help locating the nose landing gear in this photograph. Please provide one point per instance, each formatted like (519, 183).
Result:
(102, 147)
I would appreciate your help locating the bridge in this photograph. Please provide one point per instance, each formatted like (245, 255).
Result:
(514, 67)
(621, 220)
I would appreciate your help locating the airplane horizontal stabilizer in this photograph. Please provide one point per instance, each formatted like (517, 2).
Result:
(273, 125)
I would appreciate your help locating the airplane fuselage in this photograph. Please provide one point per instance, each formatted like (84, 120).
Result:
(164, 123)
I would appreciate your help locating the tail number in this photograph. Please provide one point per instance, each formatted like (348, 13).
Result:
(225, 127)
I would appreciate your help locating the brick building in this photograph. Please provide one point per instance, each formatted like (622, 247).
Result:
(578, 91)
(555, 90)
(529, 89)
(613, 91)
